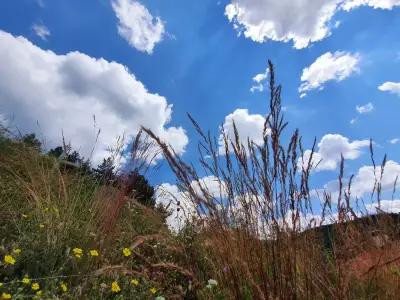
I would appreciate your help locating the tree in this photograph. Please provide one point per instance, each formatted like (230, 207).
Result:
(56, 152)
(139, 188)
(71, 159)
(105, 171)
(31, 141)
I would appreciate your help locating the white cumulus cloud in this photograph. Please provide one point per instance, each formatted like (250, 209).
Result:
(249, 126)
(389, 206)
(137, 25)
(64, 92)
(328, 154)
(366, 178)
(364, 109)
(392, 87)
(173, 199)
(382, 4)
(259, 81)
(302, 22)
(180, 204)
(329, 66)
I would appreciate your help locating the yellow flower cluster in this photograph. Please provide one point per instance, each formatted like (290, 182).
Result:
(64, 287)
(35, 286)
(127, 252)
(115, 287)
(78, 252)
(94, 253)
(6, 296)
(26, 280)
(134, 282)
(9, 260)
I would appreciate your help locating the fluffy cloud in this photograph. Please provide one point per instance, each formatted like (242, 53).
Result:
(394, 141)
(382, 4)
(365, 179)
(137, 25)
(364, 109)
(173, 199)
(337, 66)
(259, 81)
(41, 31)
(302, 22)
(389, 206)
(248, 126)
(64, 92)
(392, 87)
(329, 152)
(212, 185)
(170, 197)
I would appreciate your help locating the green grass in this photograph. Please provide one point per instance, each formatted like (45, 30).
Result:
(46, 212)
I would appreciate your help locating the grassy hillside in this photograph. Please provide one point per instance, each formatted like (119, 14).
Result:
(66, 236)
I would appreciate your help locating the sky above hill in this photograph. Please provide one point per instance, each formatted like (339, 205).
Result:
(74, 67)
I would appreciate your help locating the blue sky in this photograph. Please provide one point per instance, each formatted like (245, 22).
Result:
(200, 63)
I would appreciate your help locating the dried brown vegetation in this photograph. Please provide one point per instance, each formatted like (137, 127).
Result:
(252, 232)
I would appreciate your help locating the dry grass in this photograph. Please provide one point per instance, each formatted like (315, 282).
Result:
(46, 211)
(253, 231)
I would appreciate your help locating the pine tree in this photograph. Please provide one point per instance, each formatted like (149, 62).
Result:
(105, 171)
(139, 188)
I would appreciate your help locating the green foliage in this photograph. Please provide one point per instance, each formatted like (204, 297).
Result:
(56, 152)
(105, 172)
(31, 141)
(45, 213)
(139, 188)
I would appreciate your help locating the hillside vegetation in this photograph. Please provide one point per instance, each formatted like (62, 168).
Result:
(65, 235)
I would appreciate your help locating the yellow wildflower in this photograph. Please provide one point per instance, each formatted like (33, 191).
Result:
(115, 287)
(64, 287)
(17, 251)
(134, 282)
(39, 293)
(127, 252)
(78, 252)
(5, 296)
(35, 286)
(46, 209)
(153, 290)
(26, 280)
(94, 253)
(1, 284)
(41, 226)
(9, 260)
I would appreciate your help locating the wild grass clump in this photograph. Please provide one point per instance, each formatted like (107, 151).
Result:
(257, 232)
(66, 235)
